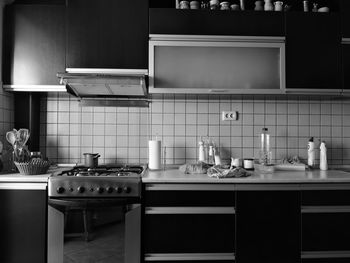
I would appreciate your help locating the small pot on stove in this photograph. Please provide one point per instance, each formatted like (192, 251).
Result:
(91, 159)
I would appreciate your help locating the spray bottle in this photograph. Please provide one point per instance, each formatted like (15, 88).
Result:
(311, 153)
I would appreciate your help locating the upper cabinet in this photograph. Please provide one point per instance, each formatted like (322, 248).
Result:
(34, 43)
(313, 51)
(107, 34)
(345, 18)
(216, 22)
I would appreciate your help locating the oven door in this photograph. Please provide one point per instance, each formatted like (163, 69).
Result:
(93, 230)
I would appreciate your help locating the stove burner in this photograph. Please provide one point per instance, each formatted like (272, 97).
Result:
(115, 170)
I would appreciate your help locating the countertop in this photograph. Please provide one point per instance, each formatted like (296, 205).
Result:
(18, 178)
(173, 175)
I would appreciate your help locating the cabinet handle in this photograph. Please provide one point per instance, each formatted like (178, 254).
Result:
(188, 210)
(189, 187)
(324, 209)
(325, 254)
(190, 257)
(23, 186)
(345, 40)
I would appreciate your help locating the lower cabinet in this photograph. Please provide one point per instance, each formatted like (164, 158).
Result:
(195, 228)
(325, 225)
(23, 221)
(268, 226)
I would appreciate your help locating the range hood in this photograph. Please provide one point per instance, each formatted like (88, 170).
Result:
(92, 83)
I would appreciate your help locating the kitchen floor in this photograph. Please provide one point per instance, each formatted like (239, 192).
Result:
(106, 246)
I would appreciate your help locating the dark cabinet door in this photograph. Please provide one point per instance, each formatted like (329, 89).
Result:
(209, 22)
(313, 50)
(268, 226)
(346, 67)
(23, 216)
(34, 44)
(107, 34)
(345, 18)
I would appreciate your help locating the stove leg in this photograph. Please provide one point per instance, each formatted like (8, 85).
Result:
(86, 225)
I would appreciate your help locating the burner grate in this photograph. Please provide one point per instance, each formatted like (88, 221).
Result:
(120, 171)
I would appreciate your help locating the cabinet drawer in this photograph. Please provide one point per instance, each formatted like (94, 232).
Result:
(189, 233)
(188, 195)
(325, 232)
(326, 260)
(326, 198)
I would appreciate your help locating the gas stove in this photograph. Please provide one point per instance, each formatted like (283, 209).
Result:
(100, 182)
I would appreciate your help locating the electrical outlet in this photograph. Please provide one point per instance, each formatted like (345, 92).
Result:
(229, 115)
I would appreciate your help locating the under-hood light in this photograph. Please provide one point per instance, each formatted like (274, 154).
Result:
(114, 103)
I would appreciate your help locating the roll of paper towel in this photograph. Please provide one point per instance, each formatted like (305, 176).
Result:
(154, 155)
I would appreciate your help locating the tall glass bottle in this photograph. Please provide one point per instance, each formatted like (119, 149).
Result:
(265, 153)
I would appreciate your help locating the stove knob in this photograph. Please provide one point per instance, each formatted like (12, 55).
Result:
(100, 190)
(127, 189)
(60, 190)
(81, 189)
(109, 190)
(119, 189)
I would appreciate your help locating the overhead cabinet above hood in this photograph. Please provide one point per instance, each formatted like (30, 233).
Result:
(87, 82)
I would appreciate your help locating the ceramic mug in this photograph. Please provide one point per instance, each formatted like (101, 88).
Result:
(235, 7)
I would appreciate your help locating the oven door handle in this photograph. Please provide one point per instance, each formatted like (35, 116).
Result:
(87, 203)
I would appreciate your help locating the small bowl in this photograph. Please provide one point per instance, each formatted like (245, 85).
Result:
(324, 9)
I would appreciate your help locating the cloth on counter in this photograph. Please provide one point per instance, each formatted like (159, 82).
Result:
(225, 171)
(197, 168)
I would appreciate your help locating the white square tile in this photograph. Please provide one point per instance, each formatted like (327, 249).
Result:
(99, 129)
(110, 129)
(63, 117)
(87, 117)
(51, 117)
(111, 118)
(86, 141)
(98, 141)
(74, 141)
(74, 117)
(86, 129)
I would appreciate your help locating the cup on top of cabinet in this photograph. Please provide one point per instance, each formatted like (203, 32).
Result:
(194, 5)
(184, 5)
(278, 6)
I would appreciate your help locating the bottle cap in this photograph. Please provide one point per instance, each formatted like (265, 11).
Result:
(311, 139)
(265, 129)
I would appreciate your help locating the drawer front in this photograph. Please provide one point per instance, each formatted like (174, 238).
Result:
(326, 260)
(189, 233)
(188, 195)
(195, 261)
(325, 232)
(326, 198)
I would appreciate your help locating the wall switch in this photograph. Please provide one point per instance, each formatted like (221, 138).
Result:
(229, 115)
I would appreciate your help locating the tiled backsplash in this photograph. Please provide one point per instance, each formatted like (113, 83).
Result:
(122, 134)
(6, 120)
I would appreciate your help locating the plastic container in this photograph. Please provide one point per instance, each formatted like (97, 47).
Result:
(265, 153)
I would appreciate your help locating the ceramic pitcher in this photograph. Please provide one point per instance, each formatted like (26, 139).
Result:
(259, 6)
(278, 6)
(268, 5)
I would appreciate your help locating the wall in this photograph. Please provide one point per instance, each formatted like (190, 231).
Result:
(121, 134)
(6, 99)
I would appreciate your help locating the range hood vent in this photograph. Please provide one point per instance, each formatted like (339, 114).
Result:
(92, 83)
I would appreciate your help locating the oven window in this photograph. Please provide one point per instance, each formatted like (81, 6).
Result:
(94, 235)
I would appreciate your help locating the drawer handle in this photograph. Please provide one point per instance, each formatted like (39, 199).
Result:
(189, 187)
(324, 209)
(190, 257)
(188, 210)
(325, 254)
